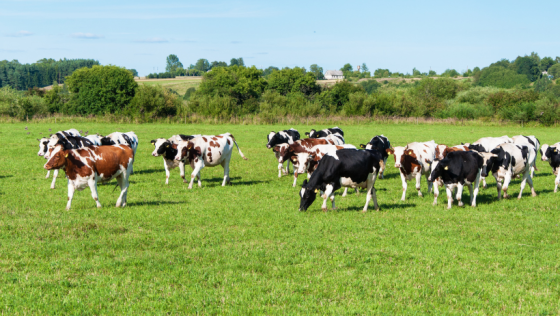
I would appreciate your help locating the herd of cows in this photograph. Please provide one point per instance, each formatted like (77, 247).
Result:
(329, 162)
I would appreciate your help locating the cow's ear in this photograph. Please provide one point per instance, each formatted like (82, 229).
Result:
(276, 149)
(153, 141)
(390, 151)
(306, 134)
(362, 146)
(189, 146)
(38, 139)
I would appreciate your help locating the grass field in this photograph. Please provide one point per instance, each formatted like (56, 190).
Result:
(245, 249)
(179, 85)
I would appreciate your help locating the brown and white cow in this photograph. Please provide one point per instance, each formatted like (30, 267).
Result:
(414, 161)
(86, 166)
(208, 150)
(443, 150)
(300, 146)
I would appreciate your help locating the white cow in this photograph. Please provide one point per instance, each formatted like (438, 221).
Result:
(533, 143)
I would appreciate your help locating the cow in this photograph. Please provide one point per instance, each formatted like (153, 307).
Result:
(130, 139)
(486, 144)
(208, 150)
(348, 167)
(533, 143)
(553, 158)
(95, 139)
(167, 148)
(381, 144)
(274, 139)
(456, 170)
(544, 149)
(323, 133)
(414, 161)
(44, 146)
(302, 145)
(507, 161)
(443, 150)
(308, 160)
(89, 165)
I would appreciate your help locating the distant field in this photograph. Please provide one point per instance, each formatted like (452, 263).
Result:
(178, 84)
(245, 249)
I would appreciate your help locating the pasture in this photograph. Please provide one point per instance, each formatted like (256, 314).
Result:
(180, 85)
(245, 248)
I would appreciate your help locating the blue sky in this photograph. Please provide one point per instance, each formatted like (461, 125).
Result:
(398, 35)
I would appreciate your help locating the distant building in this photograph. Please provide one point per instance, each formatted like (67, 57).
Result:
(334, 74)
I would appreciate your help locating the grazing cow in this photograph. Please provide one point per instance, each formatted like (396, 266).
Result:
(544, 149)
(130, 139)
(283, 137)
(308, 160)
(208, 150)
(86, 166)
(302, 145)
(533, 143)
(323, 133)
(167, 148)
(456, 170)
(349, 167)
(381, 144)
(486, 144)
(507, 161)
(553, 158)
(414, 161)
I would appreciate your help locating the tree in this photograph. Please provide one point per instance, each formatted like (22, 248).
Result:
(100, 90)
(542, 84)
(202, 65)
(317, 71)
(555, 71)
(237, 62)
(432, 73)
(218, 64)
(153, 101)
(527, 66)
(364, 68)
(450, 73)
(416, 72)
(269, 70)
(173, 63)
(235, 82)
(293, 80)
(346, 67)
(500, 77)
(381, 73)
(133, 72)
(546, 63)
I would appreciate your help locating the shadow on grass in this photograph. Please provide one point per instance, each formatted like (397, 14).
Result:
(153, 203)
(389, 176)
(8, 176)
(148, 171)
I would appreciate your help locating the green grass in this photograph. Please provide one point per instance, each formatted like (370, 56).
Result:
(180, 86)
(245, 249)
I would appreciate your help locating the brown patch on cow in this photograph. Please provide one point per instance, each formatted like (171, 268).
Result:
(425, 151)
(196, 159)
(339, 147)
(214, 144)
(114, 158)
(426, 145)
(214, 138)
(209, 155)
(204, 139)
(219, 136)
(409, 161)
(390, 151)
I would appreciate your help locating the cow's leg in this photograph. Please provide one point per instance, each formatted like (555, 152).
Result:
(404, 185)
(459, 195)
(197, 167)
(295, 177)
(123, 183)
(332, 201)
(345, 192)
(505, 186)
(280, 166)
(556, 182)
(182, 171)
(382, 167)
(498, 187)
(70, 194)
(54, 176)
(418, 181)
(287, 168)
(92, 183)
(48, 174)
(325, 197)
(430, 184)
(526, 174)
(449, 191)
(199, 178)
(470, 186)
(225, 164)
(484, 182)
(371, 194)
(167, 172)
(476, 185)
(436, 193)
(530, 181)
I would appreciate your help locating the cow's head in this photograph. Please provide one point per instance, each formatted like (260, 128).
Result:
(438, 167)
(492, 161)
(551, 153)
(161, 145)
(302, 161)
(399, 152)
(187, 150)
(275, 139)
(57, 158)
(43, 142)
(311, 134)
(106, 141)
(543, 149)
(477, 147)
(307, 196)
(441, 151)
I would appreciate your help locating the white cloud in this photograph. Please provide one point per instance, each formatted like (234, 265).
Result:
(152, 40)
(19, 34)
(86, 35)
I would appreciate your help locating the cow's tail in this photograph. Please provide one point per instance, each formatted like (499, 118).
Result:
(238, 150)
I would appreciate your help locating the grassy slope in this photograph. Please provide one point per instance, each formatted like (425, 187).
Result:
(246, 247)
(180, 86)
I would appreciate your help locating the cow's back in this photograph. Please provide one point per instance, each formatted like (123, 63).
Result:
(109, 160)
(355, 164)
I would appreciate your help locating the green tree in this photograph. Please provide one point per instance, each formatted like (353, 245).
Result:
(346, 67)
(237, 62)
(293, 80)
(202, 65)
(269, 70)
(364, 68)
(546, 63)
(317, 71)
(133, 72)
(450, 73)
(218, 64)
(173, 63)
(235, 82)
(500, 77)
(153, 101)
(542, 84)
(100, 90)
(555, 71)
(527, 66)
(382, 73)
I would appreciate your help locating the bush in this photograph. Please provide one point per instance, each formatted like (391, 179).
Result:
(370, 86)
(503, 99)
(190, 91)
(546, 112)
(213, 106)
(476, 95)
(15, 104)
(500, 77)
(465, 111)
(100, 90)
(519, 112)
(152, 102)
(237, 83)
(293, 80)
(555, 71)
(431, 94)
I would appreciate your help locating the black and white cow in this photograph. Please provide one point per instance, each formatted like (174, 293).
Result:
(44, 149)
(167, 148)
(349, 167)
(288, 136)
(323, 133)
(486, 144)
(130, 139)
(544, 149)
(553, 159)
(381, 144)
(533, 143)
(95, 139)
(506, 162)
(455, 170)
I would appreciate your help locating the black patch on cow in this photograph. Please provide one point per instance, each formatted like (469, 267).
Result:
(478, 148)
(553, 157)
(381, 144)
(325, 132)
(278, 139)
(461, 166)
(186, 137)
(74, 142)
(128, 140)
(45, 146)
(531, 141)
(107, 141)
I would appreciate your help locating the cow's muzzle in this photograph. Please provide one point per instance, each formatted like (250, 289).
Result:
(397, 165)
(268, 146)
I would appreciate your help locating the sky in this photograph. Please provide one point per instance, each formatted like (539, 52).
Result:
(396, 35)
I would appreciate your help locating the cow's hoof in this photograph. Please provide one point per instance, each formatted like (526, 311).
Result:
(52, 188)
(189, 187)
(534, 194)
(335, 208)
(324, 209)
